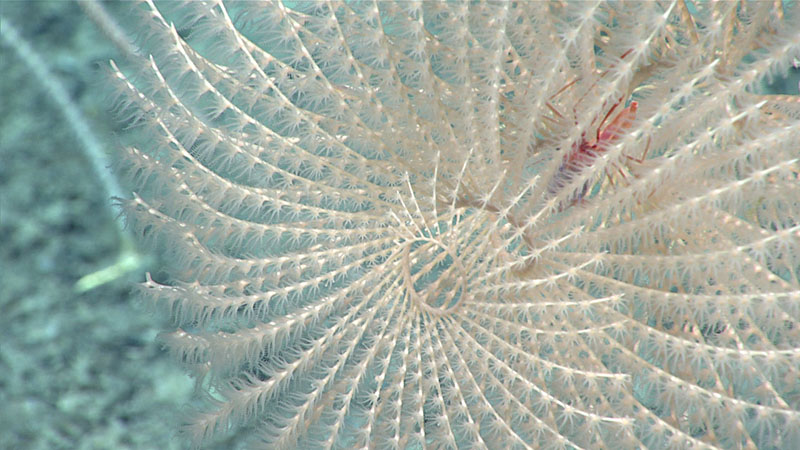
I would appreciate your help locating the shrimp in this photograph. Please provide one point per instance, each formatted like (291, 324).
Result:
(587, 150)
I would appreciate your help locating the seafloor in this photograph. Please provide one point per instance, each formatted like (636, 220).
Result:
(77, 370)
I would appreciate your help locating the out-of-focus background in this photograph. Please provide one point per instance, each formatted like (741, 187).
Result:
(78, 370)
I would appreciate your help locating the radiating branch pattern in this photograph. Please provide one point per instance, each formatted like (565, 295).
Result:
(484, 224)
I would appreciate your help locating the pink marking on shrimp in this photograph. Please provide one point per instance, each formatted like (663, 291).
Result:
(584, 153)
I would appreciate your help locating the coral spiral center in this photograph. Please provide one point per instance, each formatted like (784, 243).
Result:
(433, 275)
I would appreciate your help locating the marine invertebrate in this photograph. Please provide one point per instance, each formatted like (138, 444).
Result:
(367, 248)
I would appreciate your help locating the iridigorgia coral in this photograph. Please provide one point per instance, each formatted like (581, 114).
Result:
(503, 225)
